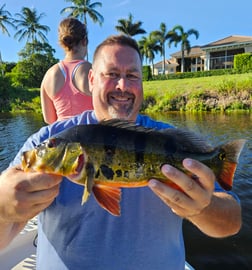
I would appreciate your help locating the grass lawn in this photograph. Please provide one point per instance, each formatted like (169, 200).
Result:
(199, 93)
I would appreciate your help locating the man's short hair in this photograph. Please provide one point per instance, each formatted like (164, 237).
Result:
(118, 40)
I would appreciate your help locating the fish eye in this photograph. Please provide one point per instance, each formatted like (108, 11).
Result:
(51, 143)
(222, 156)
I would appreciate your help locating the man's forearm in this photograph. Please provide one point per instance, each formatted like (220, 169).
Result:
(221, 218)
(8, 231)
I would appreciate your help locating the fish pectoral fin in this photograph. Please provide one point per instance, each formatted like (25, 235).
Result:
(88, 188)
(85, 196)
(108, 198)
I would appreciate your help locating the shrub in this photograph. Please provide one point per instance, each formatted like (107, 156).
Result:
(243, 62)
(147, 73)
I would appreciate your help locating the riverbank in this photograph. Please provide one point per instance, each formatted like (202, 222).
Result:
(215, 93)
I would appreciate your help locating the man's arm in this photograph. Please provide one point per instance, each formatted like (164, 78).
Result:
(222, 217)
(23, 196)
(217, 214)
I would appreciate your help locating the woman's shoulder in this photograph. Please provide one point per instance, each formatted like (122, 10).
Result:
(53, 80)
(84, 65)
(52, 72)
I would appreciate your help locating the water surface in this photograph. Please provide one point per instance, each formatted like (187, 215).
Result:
(202, 251)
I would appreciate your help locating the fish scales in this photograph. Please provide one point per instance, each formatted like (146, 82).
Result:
(118, 154)
(123, 155)
(123, 161)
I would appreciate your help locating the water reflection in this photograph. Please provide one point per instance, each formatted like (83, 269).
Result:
(14, 130)
(234, 252)
(202, 252)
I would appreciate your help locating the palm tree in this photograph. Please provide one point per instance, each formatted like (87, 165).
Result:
(179, 35)
(29, 27)
(5, 18)
(82, 8)
(128, 27)
(162, 35)
(148, 47)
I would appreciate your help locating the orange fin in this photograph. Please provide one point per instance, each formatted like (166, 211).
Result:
(232, 152)
(108, 198)
(225, 179)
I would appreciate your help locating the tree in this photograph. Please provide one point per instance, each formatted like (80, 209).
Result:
(81, 9)
(29, 27)
(128, 27)
(30, 70)
(5, 19)
(148, 46)
(179, 35)
(162, 35)
(36, 47)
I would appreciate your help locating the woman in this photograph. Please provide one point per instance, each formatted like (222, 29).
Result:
(64, 89)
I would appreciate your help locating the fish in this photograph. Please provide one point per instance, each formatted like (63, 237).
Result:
(115, 154)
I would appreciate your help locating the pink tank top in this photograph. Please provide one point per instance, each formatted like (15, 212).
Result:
(69, 100)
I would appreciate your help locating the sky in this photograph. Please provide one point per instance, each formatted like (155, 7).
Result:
(214, 20)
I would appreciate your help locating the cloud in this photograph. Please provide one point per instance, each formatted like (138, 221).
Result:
(123, 3)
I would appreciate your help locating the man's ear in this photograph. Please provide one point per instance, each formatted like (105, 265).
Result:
(90, 80)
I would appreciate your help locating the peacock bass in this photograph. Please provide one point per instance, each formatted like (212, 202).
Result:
(115, 154)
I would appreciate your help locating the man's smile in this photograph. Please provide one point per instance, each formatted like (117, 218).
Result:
(120, 98)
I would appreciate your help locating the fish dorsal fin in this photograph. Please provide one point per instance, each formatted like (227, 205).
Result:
(188, 141)
(108, 198)
(125, 124)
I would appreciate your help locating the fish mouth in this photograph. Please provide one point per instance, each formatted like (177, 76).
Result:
(79, 168)
(28, 158)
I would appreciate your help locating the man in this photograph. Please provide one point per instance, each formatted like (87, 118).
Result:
(148, 234)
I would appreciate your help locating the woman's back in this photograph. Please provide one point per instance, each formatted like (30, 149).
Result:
(64, 89)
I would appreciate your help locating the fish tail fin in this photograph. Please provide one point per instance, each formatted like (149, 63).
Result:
(108, 198)
(232, 152)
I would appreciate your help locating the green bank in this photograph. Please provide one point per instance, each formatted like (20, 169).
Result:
(214, 93)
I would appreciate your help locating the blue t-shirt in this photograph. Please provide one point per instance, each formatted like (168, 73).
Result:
(147, 235)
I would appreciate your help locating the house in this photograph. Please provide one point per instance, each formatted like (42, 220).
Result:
(220, 54)
(215, 55)
(170, 67)
(194, 61)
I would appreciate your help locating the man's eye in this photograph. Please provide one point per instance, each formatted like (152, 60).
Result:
(111, 75)
(132, 77)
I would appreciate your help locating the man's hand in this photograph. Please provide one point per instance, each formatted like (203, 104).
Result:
(215, 213)
(24, 195)
(194, 195)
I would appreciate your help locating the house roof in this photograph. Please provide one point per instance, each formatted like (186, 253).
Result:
(195, 52)
(229, 41)
(168, 62)
(234, 41)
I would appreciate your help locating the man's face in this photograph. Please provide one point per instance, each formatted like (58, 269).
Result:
(116, 83)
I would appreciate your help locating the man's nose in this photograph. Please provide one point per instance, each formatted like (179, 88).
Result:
(123, 83)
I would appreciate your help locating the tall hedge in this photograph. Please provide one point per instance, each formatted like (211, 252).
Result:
(243, 62)
(147, 73)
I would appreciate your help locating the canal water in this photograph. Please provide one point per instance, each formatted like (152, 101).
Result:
(202, 251)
